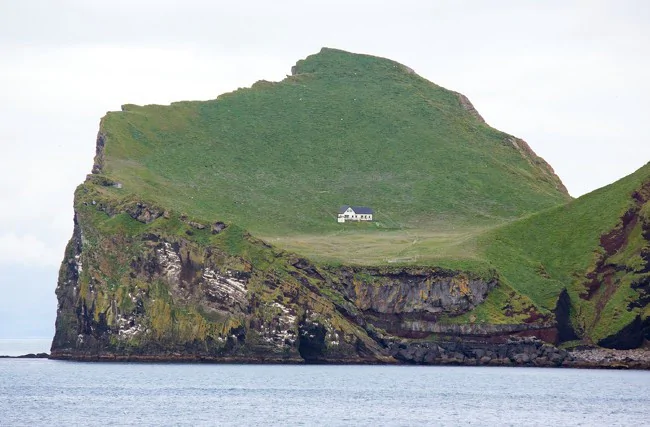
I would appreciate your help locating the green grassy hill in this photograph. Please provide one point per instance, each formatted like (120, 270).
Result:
(278, 159)
(593, 246)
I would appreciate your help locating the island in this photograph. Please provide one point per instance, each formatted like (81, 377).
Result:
(212, 231)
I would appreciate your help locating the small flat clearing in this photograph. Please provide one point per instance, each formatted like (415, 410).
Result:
(380, 247)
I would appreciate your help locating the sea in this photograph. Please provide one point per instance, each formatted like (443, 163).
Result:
(40, 392)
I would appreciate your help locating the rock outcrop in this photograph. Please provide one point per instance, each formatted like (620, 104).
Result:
(469, 107)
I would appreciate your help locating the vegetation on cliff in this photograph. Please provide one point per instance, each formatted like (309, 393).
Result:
(596, 247)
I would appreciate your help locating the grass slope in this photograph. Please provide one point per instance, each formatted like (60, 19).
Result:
(278, 159)
(555, 249)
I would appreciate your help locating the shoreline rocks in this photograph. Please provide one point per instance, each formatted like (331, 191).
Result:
(27, 356)
(515, 352)
(610, 358)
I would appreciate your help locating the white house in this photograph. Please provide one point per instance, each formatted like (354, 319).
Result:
(355, 213)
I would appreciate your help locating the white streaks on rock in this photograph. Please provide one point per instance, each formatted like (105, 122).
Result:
(127, 327)
(224, 289)
(331, 335)
(78, 264)
(169, 261)
(282, 330)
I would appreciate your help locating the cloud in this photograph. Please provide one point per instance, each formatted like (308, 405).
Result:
(28, 303)
(27, 250)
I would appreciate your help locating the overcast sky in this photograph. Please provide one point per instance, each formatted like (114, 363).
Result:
(571, 78)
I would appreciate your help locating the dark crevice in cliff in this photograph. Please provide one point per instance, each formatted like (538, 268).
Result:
(642, 286)
(311, 344)
(631, 336)
(563, 318)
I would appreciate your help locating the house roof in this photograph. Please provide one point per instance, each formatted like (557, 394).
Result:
(359, 210)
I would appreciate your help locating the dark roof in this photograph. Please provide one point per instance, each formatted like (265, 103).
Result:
(359, 210)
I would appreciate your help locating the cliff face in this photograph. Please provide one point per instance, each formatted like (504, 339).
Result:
(141, 283)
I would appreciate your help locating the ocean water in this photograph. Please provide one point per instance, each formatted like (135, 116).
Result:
(43, 392)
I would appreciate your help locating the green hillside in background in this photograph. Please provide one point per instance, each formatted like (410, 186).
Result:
(596, 247)
(278, 159)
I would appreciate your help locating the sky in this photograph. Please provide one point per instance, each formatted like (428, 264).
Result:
(569, 77)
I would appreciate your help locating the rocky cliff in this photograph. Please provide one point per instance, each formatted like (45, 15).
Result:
(142, 283)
